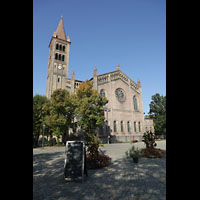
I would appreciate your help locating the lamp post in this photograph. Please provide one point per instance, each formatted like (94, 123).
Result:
(107, 133)
(43, 135)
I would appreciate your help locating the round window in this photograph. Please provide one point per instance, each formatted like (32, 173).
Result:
(120, 94)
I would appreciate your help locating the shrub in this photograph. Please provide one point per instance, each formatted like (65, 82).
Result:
(52, 142)
(133, 153)
(155, 152)
(151, 151)
(97, 161)
(149, 140)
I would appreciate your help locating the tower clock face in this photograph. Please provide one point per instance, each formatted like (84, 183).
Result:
(59, 67)
(120, 94)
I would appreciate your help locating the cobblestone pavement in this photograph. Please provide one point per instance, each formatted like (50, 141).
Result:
(122, 179)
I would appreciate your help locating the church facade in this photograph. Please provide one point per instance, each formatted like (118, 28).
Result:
(124, 116)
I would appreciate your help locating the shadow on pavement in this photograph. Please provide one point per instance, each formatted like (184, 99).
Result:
(120, 180)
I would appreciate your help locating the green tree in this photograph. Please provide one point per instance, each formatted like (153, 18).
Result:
(38, 116)
(89, 113)
(158, 113)
(60, 110)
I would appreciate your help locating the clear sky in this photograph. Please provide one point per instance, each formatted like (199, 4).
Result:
(105, 33)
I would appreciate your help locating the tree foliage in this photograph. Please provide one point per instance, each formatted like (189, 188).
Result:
(158, 113)
(38, 116)
(90, 108)
(60, 111)
(90, 113)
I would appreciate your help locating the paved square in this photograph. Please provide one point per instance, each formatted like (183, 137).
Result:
(120, 180)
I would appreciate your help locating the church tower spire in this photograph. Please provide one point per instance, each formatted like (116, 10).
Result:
(60, 32)
(58, 65)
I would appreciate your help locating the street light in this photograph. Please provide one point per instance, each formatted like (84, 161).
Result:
(43, 135)
(107, 133)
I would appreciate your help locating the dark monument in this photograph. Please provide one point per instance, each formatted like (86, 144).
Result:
(75, 160)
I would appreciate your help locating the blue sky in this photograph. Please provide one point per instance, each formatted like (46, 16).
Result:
(105, 33)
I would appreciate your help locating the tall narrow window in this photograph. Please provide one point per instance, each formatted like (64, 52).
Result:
(63, 57)
(59, 56)
(56, 56)
(115, 126)
(122, 128)
(63, 48)
(139, 127)
(128, 126)
(57, 46)
(102, 93)
(135, 104)
(60, 47)
(135, 126)
(58, 79)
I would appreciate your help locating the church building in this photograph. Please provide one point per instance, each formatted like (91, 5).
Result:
(124, 116)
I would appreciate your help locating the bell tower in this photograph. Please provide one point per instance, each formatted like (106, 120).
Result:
(58, 63)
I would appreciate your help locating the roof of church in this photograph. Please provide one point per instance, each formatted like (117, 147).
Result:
(60, 32)
(119, 74)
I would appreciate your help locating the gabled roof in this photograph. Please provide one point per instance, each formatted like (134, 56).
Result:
(118, 74)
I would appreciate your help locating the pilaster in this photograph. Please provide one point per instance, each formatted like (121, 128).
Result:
(95, 78)
(72, 83)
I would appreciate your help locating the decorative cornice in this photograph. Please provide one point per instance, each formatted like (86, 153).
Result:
(104, 78)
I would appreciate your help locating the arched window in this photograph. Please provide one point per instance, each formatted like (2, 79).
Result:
(56, 56)
(59, 56)
(139, 127)
(63, 48)
(122, 128)
(63, 57)
(102, 93)
(115, 126)
(135, 126)
(57, 46)
(60, 47)
(128, 126)
(135, 104)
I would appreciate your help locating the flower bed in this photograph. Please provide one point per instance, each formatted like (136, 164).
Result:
(158, 139)
(134, 140)
(152, 153)
(97, 161)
